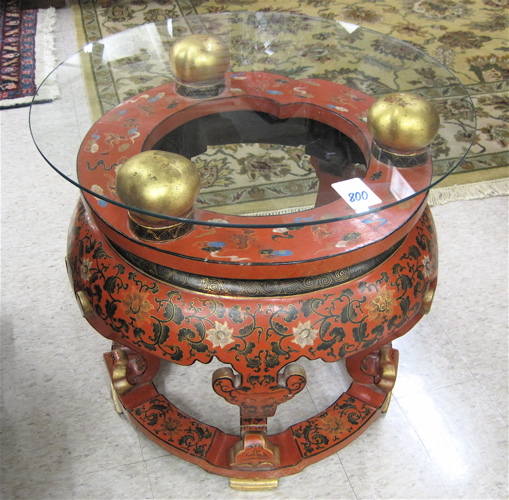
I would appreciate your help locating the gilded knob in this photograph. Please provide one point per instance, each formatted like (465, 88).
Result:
(403, 121)
(158, 182)
(199, 59)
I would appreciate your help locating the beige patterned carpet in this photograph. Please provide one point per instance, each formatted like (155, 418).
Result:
(469, 37)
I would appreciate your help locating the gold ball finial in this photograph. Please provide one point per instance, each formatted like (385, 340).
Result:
(159, 182)
(199, 61)
(403, 121)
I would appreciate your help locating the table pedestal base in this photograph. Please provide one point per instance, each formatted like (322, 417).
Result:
(256, 460)
(148, 320)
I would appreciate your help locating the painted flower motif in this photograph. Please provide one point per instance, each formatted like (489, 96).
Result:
(92, 146)
(97, 189)
(426, 264)
(304, 334)
(85, 267)
(220, 335)
(382, 304)
(136, 305)
(173, 426)
(333, 425)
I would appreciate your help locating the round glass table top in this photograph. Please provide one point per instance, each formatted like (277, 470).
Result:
(258, 120)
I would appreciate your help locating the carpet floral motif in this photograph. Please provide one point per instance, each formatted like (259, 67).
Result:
(469, 37)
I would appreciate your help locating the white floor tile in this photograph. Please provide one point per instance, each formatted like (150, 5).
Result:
(428, 359)
(171, 478)
(126, 482)
(465, 437)
(390, 461)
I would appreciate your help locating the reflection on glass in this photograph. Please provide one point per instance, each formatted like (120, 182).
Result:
(400, 188)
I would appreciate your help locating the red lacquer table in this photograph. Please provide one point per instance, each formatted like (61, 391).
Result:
(309, 237)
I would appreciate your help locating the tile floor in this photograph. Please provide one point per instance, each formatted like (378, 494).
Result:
(445, 436)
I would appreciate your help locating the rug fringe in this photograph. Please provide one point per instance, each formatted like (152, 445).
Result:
(438, 196)
(472, 191)
(45, 55)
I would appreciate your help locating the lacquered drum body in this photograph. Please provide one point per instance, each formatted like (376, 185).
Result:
(258, 329)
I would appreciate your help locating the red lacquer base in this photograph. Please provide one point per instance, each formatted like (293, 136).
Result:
(259, 339)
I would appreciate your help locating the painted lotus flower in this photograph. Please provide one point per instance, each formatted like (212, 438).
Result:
(220, 335)
(382, 304)
(173, 426)
(136, 305)
(85, 267)
(333, 425)
(304, 334)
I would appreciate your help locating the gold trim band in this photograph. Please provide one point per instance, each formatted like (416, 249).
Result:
(158, 233)
(399, 160)
(200, 92)
(254, 288)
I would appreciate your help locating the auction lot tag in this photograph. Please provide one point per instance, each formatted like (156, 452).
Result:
(356, 194)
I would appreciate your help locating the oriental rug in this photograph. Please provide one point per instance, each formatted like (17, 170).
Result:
(27, 54)
(468, 37)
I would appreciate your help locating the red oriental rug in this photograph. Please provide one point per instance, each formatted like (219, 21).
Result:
(26, 54)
